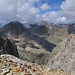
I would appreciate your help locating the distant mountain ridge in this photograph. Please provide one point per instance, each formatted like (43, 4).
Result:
(45, 44)
(38, 41)
(26, 41)
(15, 28)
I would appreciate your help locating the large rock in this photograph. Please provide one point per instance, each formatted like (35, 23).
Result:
(6, 47)
(63, 56)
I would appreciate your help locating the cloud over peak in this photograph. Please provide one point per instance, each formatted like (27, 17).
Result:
(30, 11)
(68, 9)
(21, 10)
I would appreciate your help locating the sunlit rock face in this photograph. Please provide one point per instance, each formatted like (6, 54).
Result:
(63, 55)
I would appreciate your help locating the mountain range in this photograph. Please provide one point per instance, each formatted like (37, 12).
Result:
(46, 44)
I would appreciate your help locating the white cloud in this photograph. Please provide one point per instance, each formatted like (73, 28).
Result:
(21, 10)
(62, 20)
(45, 6)
(26, 11)
(7, 8)
(68, 8)
(54, 17)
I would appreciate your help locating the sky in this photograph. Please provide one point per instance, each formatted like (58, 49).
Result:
(33, 11)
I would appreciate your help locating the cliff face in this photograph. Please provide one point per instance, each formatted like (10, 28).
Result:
(10, 65)
(6, 47)
(63, 56)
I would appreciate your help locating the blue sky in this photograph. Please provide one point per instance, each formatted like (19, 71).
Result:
(55, 4)
(32, 11)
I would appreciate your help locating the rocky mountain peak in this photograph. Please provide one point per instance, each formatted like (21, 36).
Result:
(13, 25)
(15, 29)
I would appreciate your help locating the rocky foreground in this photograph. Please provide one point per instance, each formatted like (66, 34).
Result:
(10, 65)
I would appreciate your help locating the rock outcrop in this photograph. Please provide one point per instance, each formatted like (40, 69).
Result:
(63, 56)
(10, 65)
(6, 47)
(44, 30)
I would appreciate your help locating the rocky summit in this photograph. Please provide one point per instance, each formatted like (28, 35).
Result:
(10, 65)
